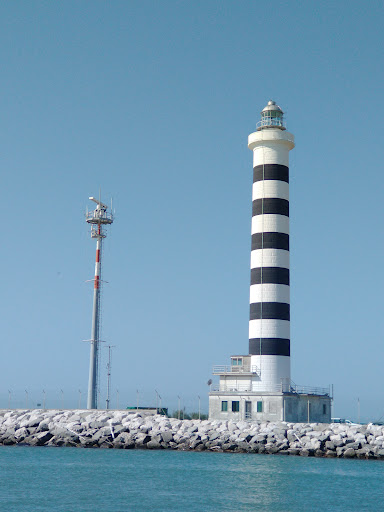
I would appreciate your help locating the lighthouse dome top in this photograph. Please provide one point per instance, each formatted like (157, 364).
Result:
(272, 116)
(272, 106)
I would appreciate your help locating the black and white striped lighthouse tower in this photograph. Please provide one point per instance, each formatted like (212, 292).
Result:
(257, 386)
(269, 323)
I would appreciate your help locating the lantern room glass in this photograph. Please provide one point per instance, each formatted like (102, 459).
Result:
(272, 118)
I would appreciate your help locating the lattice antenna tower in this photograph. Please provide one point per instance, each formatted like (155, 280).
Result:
(98, 219)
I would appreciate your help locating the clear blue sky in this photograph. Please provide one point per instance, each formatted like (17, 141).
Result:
(153, 102)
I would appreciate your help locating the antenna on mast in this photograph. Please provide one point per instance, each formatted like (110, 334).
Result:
(98, 219)
(109, 347)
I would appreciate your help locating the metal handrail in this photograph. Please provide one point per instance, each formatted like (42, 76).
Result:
(308, 390)
(226, 389)
(235, 369)
(289, 388)
(271, 121)
(102, 217)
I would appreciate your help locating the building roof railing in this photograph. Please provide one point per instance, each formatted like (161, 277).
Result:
(308, 390)
(286, 389)
(271, 122)
(231, 369)
(99, 217)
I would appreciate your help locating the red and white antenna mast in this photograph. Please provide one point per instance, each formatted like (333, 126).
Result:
(98, 219)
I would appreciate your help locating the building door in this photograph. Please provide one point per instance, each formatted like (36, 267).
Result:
(248, 410)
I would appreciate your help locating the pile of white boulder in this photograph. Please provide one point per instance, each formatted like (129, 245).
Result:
(138, 429)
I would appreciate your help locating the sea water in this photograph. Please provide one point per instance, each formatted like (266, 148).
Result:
(82, 480)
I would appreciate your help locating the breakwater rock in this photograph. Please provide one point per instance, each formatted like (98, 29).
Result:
(138, 429)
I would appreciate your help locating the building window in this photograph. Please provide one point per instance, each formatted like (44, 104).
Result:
(237, 361)
(235, 406)
(224, 406)
(324, 408)
(259, 406)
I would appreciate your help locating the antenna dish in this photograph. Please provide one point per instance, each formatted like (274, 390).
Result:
(98, 217)
(99, 203)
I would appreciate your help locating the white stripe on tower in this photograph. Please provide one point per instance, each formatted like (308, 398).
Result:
(271, 188)
(269, 324)
(269, 258)
(270, 223)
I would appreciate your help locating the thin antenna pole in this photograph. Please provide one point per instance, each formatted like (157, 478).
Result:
(109, 374)
(117, 399)
(358, 410)
(79, 404)
(43, 399)
(9, 398)
(26, 399)
(157, 401)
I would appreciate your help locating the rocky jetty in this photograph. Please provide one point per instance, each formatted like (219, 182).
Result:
(138, 429)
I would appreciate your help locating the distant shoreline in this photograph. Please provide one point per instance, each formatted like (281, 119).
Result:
(127, 429)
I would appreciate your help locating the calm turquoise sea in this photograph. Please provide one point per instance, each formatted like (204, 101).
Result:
(81, 480)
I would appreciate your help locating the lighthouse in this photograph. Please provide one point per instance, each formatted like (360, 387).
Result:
(269, 319)
(258, 385)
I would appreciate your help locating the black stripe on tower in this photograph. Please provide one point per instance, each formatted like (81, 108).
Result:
(269, 311)
(268, 240)
(271, 172)
(270, 275)
(269, 347)
(270, 205)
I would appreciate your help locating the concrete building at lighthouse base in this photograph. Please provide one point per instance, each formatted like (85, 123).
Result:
(236, 397)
